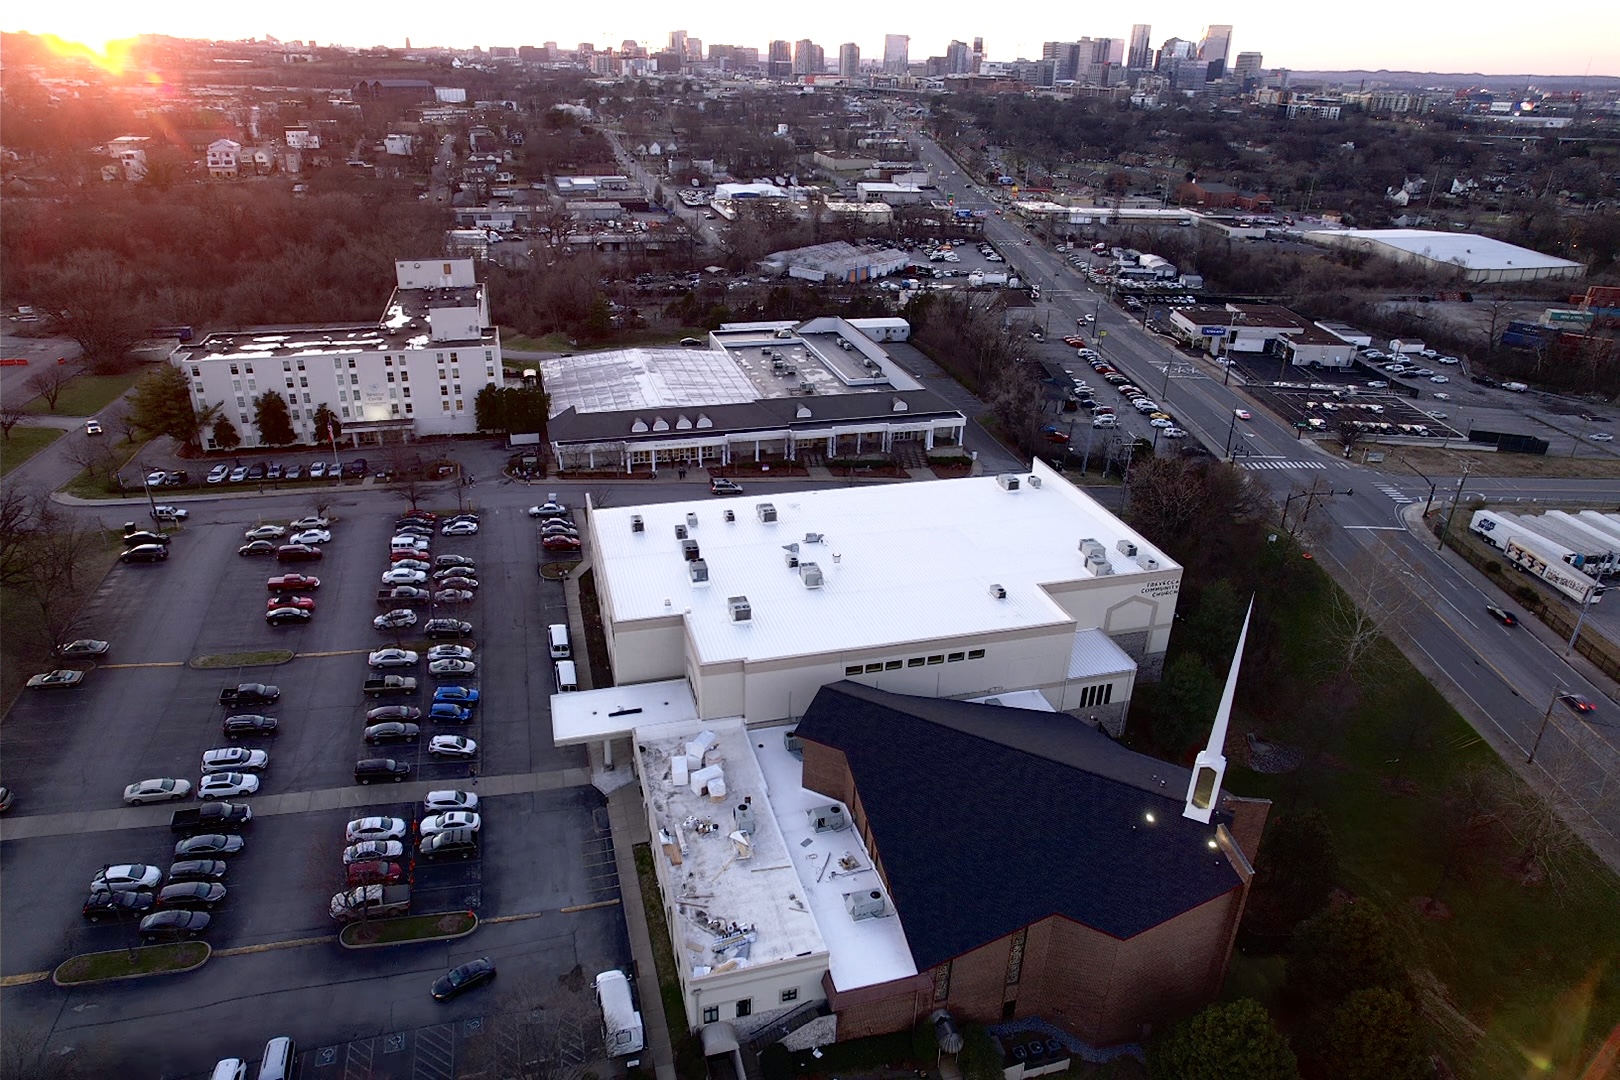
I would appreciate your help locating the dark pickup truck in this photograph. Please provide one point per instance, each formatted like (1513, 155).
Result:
(211, 818)
(249, 693)
(406, 595)
(390, 686)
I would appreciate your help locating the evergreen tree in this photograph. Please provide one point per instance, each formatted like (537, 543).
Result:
(226, 436)
(272, 418)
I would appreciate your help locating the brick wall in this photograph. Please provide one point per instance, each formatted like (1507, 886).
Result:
(1248, 821)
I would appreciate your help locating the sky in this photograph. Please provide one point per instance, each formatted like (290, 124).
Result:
(1492, 38)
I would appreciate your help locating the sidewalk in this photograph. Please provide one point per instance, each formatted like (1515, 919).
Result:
(629, 827)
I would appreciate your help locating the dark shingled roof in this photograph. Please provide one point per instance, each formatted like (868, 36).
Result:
(988, 819)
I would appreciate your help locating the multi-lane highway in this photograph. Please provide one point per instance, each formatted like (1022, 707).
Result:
(1503, 679)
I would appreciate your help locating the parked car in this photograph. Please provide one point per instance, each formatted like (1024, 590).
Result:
(449, 652)
(217, 474)
(453, 596)
(450, 819)
(372, 851)
(265, 532)
(560, 543)
(452, 667)
(453, 560)
(283, 616)
(61, 679)
(162, 790)
(198, 870)
(165, 512)
(293, 582)
(448, 572)
(248, 724)
(209, 844)
(458, 980)
(227, 785)
(397, 619)
(438, 801)
(105, 903)
(392, 658)
(367, 770)
(549, 509)
(386, 713)
(191, 895)
(249, 694)
(317, 470)
(391, 732)
(459, 583)
(313, 521)
(375, 828)
(257, 547)
(312, 536)
(297, 553)
(402, 576)
(452, 746)
(373, 872)
(456, 695)
(722, 486)
(459, 528)
(447, 628)
(126, 876)
(234, 759)
(141, 537)
(444, 712)
(170, 924)
(458, 843)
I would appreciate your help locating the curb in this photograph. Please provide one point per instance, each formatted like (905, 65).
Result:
(56, 979)
(408, 941)
(193, 665)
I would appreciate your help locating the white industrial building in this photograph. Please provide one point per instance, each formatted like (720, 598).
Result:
(412, 373)
(1477, 259)
(760, 392)
(945, 588)
(838, 261)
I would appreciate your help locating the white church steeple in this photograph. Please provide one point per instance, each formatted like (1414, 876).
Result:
(1204, 791)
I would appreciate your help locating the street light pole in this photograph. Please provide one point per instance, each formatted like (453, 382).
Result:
(1461, 480)
(1230, 432)
(1580, 620)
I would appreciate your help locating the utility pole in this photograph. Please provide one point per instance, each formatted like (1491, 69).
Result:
(1457, 498)
(1546, 718)
(1230, 432)
(1580, 621)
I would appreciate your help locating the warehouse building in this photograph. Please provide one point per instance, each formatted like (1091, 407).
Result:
(1475, 259)
(412, 373)
(838, 261)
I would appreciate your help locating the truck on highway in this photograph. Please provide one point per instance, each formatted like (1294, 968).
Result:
(210, 818)
(389, 686)
(371, 902)
(1533, 553)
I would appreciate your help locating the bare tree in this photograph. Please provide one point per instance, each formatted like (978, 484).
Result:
(120, 417)
(57, 551)
(553, 1030)
(96, 457)
(407, 476)
(1377, 599)
(11, 412)
(1350, 434)
(1536, 824)
(49, 382)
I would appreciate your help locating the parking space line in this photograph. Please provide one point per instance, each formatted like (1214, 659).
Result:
(570, 910)
(155, 663)
(334, 652)
(272, 946)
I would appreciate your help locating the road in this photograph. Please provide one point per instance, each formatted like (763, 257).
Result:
(1502, 679)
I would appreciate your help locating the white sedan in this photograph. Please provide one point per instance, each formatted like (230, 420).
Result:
(375, 828)
(312, 536)
(387, 658)
(454, 819)
(449, 652)
(439, 801)
(265, 532)
(456, 746)
(460, 528)
(227, 785)
(394, 620)
(148, 791)
(452, 667)
(127, 876)
(311, 522)
(1438, 379)
(402, 576)
(234, 758)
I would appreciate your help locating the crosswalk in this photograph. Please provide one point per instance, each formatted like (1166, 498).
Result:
(1401, 498)
(1251, 463)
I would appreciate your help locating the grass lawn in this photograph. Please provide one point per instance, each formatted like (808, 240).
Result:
(92, 484)
(409, 928)
(23, 444)
(242, 659)
(86, 395)
(149, 960)
(1593, 461)
(669, 986)
(1510, 968)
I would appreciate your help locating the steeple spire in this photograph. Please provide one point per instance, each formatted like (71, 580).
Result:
(1208, 770)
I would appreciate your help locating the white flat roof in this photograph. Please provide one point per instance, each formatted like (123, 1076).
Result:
(863, 953)
(620, 379)
(587, 715)
(1468, 250)
(762, 892)
(902, 562)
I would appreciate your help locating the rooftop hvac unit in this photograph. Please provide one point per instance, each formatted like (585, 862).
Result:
(698, 571)
(814, 538)
(731, 515)
(1008, 481)
(689, 550)
(1126, 548)
(691, 521)
(1100, 567)
(637, 524)
(743, 815)
(1148, 562)
(1092, 549)
(998, 592)
(867, 904)
(680, 532)
(1035, 482)
(766, 512)
(740, 611)
(829, 817)
(790, 554)
(794, 744)
(810, 575)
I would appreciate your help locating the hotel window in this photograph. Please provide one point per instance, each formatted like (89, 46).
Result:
(351, 363)
(404, 376)
(236, 384)
(975, 654)
(891, 665)
(388, 361)
(234, 370)
(956, 657)
(790, 995)
(458, 388)
(196, 371)
(345, 412)
(393, 394)
(303, 380)
(354, 380)
(852, 669)
(937, 658)
(241, 402)
(459, 406)
(253, 384)
(306, 399)
(289, 384)
(248, 368)
(300, 365)
(489, 356)
(873, 668)
(745, 1007)
(444, 406)
(711, 1015)
(200, 389)
(393, 410)
(343, 395)
(390, 376)
(406, 392)
(915, 661)
(453, 358)
(439, 357)
(407, 408)
(286, 365)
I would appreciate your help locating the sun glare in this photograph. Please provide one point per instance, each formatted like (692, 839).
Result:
(110, 56)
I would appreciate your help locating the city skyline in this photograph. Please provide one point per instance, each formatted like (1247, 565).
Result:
(1431, 40)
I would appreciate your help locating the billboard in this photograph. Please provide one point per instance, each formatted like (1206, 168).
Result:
(1213, 331)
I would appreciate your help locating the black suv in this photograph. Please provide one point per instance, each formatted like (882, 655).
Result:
(145, 553)
(368, 769)
(248, 724)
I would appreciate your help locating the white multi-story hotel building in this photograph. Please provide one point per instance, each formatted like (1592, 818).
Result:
(413, 373)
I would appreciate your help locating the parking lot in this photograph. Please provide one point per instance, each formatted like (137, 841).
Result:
(146, 711)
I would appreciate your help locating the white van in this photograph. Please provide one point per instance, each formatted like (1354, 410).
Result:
(567, 679)
(621, 1023)
(557, 634)
(280, 1055)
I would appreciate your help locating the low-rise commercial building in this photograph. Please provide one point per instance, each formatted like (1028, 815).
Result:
(411, 373)
(838, 261)
(1473, 258)
(758, 393)
(1261, 328)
